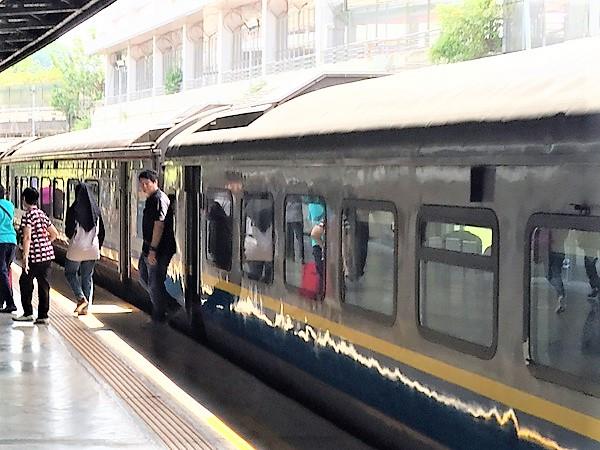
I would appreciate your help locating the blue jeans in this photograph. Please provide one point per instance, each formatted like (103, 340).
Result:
(7, 255)
(152, 278)
(80, 274)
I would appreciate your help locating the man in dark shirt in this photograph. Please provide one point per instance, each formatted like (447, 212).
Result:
(159, 244)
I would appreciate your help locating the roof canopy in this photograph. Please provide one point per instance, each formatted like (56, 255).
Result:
(26, 27)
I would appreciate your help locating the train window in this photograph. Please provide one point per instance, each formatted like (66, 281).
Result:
(71, 184)
(219, 227)
(24, 185)
(59, 198)
(95, 189)
(305, 244)
(563, 304)
(16, 193)
(457, 273)
(46, 196)
(258, 237)
(369, 256)
(34, 182)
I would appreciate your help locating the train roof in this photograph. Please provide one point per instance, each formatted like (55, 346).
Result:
(532, 84)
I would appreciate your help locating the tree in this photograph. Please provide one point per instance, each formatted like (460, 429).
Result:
(173, 80)
(469, 31)
(82, 85)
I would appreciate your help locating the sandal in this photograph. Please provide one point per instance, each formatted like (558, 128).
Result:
(82, 305)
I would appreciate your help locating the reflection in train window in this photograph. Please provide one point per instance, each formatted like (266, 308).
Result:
(59, 198)
(95, 189)
(34, 183)
(457, 277)
(219, 228)
(71, 184)
(369, 256)
(564, 304)
(46, 196)
(305, 246)
(257, 237)
(24, 185)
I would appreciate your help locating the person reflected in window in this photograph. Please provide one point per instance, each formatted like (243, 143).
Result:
(317, 219)
(294, 223)
(85, 229)
(258, 246)
(589, 242)
(219, 236)
(556, 256)
(355, 244)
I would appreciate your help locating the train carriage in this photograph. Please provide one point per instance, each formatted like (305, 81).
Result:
(413, 254)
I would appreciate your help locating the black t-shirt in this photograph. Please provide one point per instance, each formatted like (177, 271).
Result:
(158, 208)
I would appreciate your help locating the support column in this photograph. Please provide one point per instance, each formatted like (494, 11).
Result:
(108, 79)
(187, 57)
(157, 68)
(324, 24)
(594, 18)
(268, 25)
(131, 74)
(225, 47)
(526, 24)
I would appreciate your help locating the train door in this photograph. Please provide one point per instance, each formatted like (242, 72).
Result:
(193, 240)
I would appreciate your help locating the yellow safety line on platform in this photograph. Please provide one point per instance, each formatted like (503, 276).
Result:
(580, 423)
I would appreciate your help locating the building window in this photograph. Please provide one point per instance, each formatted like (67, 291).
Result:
(563, 304)
(143, 73)
(457, 272)
(369, 256)
(257, 237)
(46, 196)
(305, 245)
(219, 228)
(59, 198)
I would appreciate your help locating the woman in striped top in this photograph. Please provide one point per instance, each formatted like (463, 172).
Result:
(38, 234)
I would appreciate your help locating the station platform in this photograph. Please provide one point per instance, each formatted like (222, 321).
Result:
(113, 380)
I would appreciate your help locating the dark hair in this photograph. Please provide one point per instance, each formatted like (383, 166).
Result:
(2, 191)
(30, 195)
(149, 174)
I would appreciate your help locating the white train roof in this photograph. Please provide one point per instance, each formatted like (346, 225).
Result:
(544, 82)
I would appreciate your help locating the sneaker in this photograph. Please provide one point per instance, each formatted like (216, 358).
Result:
(42, 321)
(8, 309)
(561, 305)
(23, 319)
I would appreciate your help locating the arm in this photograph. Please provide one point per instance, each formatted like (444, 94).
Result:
(101, 232)
(26, 245)
(52, 233)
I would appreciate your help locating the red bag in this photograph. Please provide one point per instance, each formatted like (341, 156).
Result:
(310, 281)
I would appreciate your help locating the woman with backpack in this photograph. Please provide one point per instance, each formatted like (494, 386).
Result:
(85, 229)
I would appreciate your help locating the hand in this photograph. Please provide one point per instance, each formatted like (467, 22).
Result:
(152, 258)
(26, 268)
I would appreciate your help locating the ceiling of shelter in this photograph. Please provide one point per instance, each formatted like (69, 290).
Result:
(28, 25)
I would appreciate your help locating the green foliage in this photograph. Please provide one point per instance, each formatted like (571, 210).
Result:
(173, 80)
(469, 31)
(82, 85)
(34, 70)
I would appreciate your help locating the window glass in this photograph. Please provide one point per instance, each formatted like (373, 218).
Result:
(46, 196)
(257, 237)
(219, 228)
(16, 192)
(564, 302)
(305, 225)
(24, 185)
(457, 291)
(71, 184)
(59, 198)
(95, 189)
(34, 183)
(368, 258)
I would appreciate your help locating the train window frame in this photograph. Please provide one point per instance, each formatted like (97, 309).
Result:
(290, 287)
(242, 234)
(371, 205)
(483, 217)
(91, 182)
(541, 371)
(16, 193)
(54, 197)
(50, 205)
(24, 184)
(210, 193)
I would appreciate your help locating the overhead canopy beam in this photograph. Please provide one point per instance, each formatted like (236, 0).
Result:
(26, 26)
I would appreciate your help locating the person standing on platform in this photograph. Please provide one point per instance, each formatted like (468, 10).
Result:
(38, 254)
(8, 246)
(85, 229)
(159, 244)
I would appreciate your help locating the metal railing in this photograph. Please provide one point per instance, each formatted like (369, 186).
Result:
(244, 73)
(206, 79)
(307, 61)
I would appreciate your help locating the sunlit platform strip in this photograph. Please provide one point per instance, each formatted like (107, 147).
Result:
(150, 394)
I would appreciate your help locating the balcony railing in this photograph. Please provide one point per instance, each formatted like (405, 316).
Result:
(292, 63)
(244, 73)
(206, 79)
